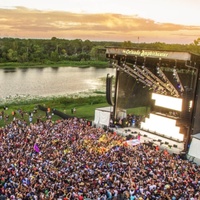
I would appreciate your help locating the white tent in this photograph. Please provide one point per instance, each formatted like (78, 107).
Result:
(102, 115)
(194, 150)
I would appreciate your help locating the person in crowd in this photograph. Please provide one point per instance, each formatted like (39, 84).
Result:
(69, 160)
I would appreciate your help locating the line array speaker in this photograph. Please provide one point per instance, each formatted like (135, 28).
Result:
(109, 90)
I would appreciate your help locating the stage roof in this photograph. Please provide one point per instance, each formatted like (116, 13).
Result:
(143, 55)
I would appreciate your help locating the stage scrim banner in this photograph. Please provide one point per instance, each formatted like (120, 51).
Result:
(150, 53)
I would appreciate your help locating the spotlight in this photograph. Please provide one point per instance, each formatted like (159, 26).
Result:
(177, 79)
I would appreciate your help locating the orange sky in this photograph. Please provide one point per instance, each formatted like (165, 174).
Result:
(24, 21)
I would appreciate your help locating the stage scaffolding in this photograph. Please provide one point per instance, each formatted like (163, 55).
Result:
(173, 76)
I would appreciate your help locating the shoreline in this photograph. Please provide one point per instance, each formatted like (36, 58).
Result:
(82, 64)
(19, 98)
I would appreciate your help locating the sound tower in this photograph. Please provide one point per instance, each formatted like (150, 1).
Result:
(109, 90)
(196, 113)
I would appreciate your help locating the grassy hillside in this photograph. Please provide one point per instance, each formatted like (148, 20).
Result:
(85, 108)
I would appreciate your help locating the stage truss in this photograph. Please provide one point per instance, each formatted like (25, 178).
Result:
(171, 79)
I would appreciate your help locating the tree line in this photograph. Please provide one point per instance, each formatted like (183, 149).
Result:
(55, 49)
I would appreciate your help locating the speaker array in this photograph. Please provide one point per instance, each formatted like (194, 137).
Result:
(109, 90)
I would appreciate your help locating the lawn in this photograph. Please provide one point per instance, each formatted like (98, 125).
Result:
(85, 108)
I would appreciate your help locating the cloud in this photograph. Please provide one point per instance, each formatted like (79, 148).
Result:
(27, 23)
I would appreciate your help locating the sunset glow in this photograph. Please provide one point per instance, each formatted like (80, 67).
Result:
(169, 21)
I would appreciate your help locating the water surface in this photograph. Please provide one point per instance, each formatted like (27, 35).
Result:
(51, 81)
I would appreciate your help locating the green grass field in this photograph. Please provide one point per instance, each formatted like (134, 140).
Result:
(85, 108)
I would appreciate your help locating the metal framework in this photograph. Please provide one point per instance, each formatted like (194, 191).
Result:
(138, 63)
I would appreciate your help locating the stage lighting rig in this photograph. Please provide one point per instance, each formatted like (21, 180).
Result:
(148, 81)
(140, 76)
(146, 77)
(171, 88)
(143, 73)
(177, 79)
(166, 85)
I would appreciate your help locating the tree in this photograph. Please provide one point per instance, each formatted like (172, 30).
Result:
(75, 47)
(37, 52)
(127, 44)
(54, 56)
(196, 46)
(12, 55)
(96, 53)
(197, 42)
(87, 46)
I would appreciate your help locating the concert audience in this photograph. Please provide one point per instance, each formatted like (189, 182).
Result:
(69, 160)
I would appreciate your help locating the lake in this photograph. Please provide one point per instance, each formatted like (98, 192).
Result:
(51, 81)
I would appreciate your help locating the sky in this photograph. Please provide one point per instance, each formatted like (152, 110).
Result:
(168, 21)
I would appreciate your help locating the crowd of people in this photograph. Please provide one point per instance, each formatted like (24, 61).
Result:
(70, 160)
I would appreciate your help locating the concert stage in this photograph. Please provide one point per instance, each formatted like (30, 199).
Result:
(172, 146)
(166, 84)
